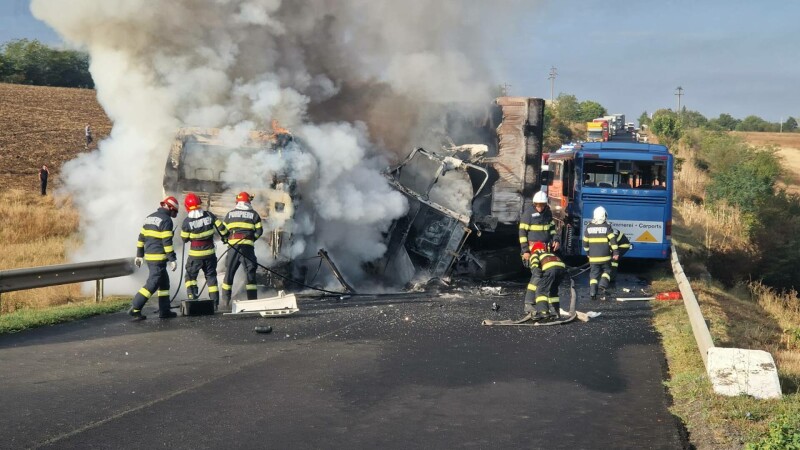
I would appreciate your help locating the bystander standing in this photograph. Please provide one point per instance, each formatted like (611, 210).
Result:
(89, 139)
(43, 175)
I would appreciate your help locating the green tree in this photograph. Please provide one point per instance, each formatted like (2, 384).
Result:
(644, 119)
(790, 124)
(667, 126)
(567, 108)
(692, 119)
(591, 110)
(753, 123)
(725, 122)
(31, 62)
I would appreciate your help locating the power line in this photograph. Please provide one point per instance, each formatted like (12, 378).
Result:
(552, 78)
(679, 93)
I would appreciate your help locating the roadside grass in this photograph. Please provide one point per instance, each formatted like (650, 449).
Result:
(748, 315)
(37, 231)
(30, 318)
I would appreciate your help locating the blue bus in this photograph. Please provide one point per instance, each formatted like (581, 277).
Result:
(632, 181)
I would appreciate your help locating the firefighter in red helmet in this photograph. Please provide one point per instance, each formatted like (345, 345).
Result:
(548, 271)
(198, 230)
(244, 228)
(155, 247)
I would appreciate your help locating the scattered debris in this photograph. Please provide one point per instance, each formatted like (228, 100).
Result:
(263, 329)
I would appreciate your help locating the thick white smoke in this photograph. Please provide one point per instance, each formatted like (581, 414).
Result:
(314, 65)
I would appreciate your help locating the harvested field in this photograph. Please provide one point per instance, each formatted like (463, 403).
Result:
(44, 125)
(789, 145)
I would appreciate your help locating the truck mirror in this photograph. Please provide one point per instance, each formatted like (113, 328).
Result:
(546, 177)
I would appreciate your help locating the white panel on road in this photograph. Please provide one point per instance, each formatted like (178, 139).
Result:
(735, 371)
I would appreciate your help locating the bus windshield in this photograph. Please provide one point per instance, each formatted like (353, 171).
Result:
(625, 174)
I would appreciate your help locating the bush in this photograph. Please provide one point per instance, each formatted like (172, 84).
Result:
(784, 434)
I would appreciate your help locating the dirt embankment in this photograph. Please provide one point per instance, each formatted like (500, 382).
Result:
(44, 125)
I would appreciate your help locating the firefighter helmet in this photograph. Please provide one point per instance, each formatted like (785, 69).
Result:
(170, 203)
(244, 197)
(600, 214)
(192, 201)
(538, 246)
(540, 197)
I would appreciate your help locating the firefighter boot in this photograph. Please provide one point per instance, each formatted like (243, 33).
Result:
(136, 314)
(529, 308)
(542, 314)
(225, 301)
(164, 311)
(192, 292)
(556, 310)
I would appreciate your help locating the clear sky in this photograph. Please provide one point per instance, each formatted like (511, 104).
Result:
(739, 57)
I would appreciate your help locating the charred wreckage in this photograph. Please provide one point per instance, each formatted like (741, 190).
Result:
(464, 199)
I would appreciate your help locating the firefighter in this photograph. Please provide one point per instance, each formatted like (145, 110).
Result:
(244, 228)
(536, 225)
(623, 244)
(549, 271)
(198, 230)
(155, 247)
(600, 244)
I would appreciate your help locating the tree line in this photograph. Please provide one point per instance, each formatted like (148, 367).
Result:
(24, 61)
(746, 177)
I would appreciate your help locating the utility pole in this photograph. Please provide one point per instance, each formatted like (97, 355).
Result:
(781, 124)
(552, 78)
(679, 94)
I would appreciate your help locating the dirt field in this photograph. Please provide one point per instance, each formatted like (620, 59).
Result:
(44, 125)
(789, 144)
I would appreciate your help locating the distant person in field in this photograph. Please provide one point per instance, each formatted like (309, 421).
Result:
(43, 175)
(89, 139)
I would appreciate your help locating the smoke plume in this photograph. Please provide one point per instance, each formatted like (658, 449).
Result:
(347, 77)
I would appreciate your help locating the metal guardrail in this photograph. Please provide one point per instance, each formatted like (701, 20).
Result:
(37, 277)
(699, 327)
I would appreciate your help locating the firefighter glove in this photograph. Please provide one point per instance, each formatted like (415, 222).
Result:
(173, 265)
(137, 262)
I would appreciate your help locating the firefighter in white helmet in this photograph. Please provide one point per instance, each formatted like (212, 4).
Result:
(536, 225)
(155, 247)
(600, 244)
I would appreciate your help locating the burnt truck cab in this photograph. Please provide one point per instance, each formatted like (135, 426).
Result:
(197, 163)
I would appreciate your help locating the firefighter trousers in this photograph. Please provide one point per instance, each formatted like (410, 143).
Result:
(547, 289)
(530, 292)
(157, 283)
(599, 275)
(208, 265)
(246, 255)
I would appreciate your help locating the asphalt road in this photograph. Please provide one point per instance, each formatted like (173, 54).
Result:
(419, 372)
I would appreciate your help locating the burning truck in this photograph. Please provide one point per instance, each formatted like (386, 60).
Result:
(464, 198)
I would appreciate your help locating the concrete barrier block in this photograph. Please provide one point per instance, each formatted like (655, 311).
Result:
(736, 371)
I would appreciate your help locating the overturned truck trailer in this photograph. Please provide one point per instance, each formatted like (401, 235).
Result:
(473, 233)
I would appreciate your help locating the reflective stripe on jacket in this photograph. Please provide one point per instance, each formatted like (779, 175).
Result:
(244, 226)
(199, 233)
(536, 227)
(599, 242)
(155, 237)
